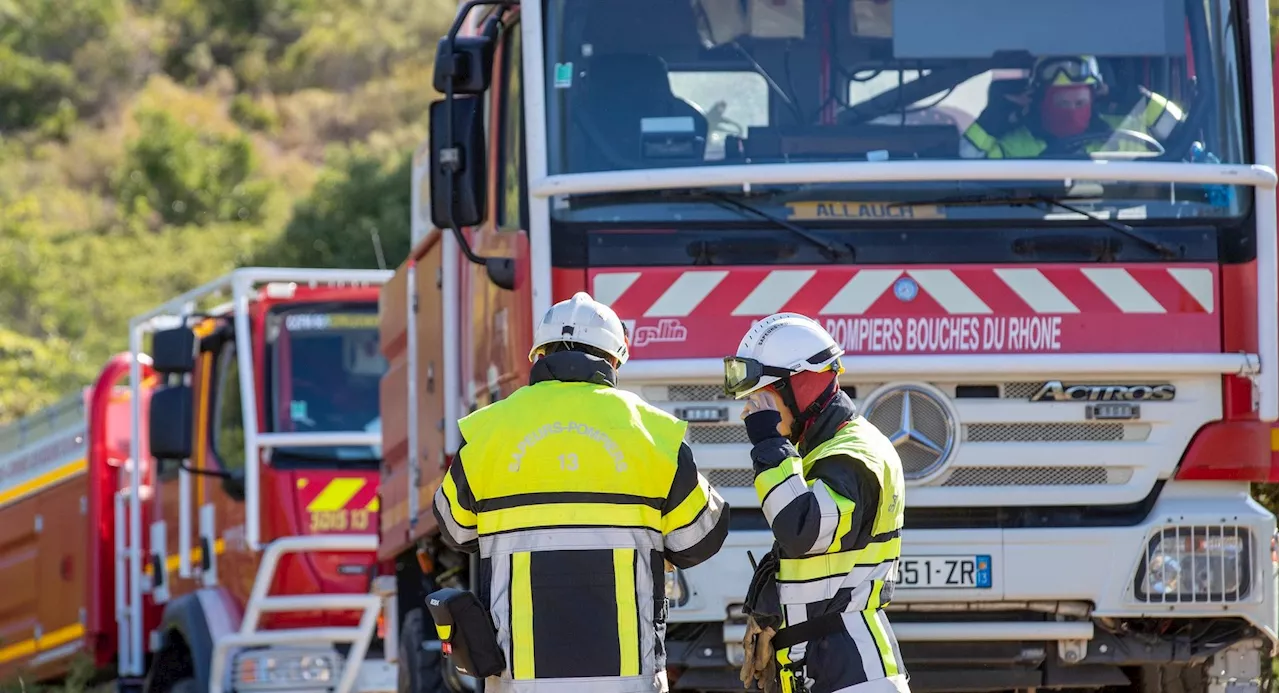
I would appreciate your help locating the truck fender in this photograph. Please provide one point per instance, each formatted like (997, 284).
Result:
(192, 622)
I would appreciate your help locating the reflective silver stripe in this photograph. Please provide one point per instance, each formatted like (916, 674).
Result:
(795, 615)
(456, 531)
(688, 536)
(861, 576)
(829, 517)
(811, 591)
(1164, 124)
(865, 644)
(570, 539)
(782, 494)
(589, 684)
(644, 607)
(500, 604)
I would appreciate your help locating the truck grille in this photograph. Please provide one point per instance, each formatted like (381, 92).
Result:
(696, 393)
(730, 478)
(1042, 432)
(716, 434)
(736, 434)
(1021, 473)
(1031, 476)
(974, 476)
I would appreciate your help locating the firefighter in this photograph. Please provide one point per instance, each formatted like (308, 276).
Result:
(831, 487)
(575, 492)
(1062, 113)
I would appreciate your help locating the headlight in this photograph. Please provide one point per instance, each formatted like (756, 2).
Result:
(1195, 564)
(277, 668)
(677, 589)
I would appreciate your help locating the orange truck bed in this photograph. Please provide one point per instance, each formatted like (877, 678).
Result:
(400, 525)
(44, 541)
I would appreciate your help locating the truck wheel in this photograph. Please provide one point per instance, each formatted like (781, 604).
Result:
(1172, 678)
(419, 671)
(183, 686)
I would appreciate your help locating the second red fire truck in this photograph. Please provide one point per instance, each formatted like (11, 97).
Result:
(204, 517)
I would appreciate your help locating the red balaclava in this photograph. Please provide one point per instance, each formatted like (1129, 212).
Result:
(812, 392)
(1065, 110)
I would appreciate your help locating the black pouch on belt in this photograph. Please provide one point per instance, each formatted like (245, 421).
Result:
(466, 632)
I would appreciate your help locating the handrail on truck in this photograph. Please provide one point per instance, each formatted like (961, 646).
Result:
(261, 603)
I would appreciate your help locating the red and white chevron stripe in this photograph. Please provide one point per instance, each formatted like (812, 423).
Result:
(1089, 303)
(758, 292)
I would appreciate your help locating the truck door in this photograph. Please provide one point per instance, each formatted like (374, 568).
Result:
(223, 419)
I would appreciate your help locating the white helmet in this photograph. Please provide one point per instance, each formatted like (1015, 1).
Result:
(582, 320)
(778, 347)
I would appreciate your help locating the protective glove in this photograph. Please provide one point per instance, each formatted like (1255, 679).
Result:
(758, 662)
(762, 417)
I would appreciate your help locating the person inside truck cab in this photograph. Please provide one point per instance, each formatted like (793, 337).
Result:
(575, 493)
(1063, 112)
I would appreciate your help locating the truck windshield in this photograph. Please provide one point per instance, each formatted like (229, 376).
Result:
(682, 83)
(325, 368)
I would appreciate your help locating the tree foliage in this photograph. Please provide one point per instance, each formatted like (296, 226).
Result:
(357, 216)
(148, 146)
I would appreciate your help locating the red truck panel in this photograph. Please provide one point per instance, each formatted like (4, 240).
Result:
(44, 539)
(1012, 309)
(396, 536)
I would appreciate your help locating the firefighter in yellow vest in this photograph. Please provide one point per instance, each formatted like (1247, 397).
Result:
(575, 494)
(1061, 115)
(831, 487)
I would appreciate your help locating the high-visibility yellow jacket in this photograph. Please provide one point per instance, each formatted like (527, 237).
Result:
(574, 492)
(836, 514)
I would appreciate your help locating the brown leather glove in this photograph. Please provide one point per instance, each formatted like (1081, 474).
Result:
(758, 662)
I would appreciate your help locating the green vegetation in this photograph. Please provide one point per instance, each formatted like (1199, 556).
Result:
(147, 146)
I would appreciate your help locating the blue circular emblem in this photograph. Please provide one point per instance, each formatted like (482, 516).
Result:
(906, 289)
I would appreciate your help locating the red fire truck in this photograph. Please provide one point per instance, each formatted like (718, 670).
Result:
(205, 514)
(1071, 337)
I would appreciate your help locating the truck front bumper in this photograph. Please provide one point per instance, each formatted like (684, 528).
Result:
(1203, 551)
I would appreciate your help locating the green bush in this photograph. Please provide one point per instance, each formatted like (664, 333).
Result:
(357, 216)
(54, 29)
(32, 90)
(248, 113)
(186, 177)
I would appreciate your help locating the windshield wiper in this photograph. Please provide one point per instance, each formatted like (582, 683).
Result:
(721, 199)
(1023, 199)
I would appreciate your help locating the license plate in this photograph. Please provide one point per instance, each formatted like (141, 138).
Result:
(944, 572)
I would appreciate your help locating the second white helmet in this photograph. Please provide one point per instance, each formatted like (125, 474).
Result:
(778, 347)
(582, 320)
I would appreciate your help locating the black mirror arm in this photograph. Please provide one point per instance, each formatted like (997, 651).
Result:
(218, 473)
(451, 157)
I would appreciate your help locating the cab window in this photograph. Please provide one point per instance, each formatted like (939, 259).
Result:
(228, 421)
(511, 210)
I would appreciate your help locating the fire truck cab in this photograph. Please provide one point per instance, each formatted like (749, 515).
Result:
(227, 499)
(1045, 235)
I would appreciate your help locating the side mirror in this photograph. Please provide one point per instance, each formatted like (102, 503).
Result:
(459, 194)
(466, 63)
(174, 351)
(233, 484)
(169, 423)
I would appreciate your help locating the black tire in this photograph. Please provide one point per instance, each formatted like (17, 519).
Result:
(1172, 678)
(184, 686)
(419, 671)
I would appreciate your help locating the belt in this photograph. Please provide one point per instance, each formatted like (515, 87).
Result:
(811, 629)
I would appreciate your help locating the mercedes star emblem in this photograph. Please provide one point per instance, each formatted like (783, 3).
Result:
(919, 422)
